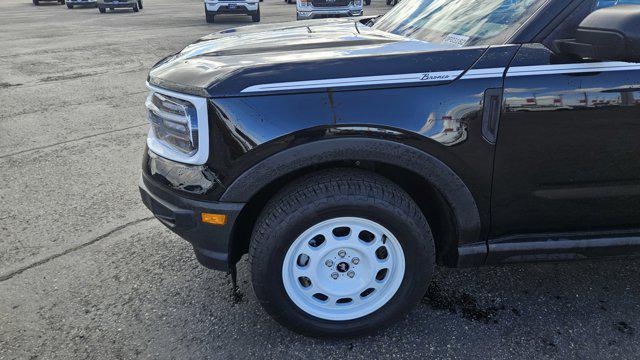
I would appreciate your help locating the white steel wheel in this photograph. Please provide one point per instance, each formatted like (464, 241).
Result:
(343, 268)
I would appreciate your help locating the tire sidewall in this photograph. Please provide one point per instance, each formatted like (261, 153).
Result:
(416, 242)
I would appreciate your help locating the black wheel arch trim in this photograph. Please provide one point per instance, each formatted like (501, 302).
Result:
(462, 203)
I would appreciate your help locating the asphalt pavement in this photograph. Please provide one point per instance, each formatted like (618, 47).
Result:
(85, 272)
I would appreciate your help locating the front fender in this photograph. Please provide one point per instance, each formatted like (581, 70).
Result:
(450, 186)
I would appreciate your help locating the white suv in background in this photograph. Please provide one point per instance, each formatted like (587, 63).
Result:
(314, 9)
(247, 7)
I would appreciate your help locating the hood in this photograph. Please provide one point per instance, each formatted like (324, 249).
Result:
(228, 62)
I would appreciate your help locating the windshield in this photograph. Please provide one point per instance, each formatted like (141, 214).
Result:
(458, 22)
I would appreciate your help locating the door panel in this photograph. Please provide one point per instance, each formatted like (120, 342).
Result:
(568, 149)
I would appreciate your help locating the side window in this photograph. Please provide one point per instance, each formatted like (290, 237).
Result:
(567, 27)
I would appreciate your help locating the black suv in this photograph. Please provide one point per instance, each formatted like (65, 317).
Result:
(348, 157)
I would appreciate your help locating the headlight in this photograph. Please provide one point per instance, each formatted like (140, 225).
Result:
(304, 2)
(174, 122)
(179, 126)
(357, 2)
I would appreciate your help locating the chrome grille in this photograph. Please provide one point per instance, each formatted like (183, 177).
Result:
(330, 3)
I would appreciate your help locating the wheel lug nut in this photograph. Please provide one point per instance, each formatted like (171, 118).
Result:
(351, 274)
(329, 263)
(342, 253)
(334, 275)
(355, 261)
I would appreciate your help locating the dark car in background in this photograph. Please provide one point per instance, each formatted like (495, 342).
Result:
(349, 157)
(83, 3)
(103, 5)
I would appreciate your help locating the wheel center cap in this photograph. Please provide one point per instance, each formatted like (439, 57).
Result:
(342, 267)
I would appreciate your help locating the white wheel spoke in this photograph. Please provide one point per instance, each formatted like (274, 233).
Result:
(309, 291)
(355, 300)
(355, 233)
(388, 262)
(371, 255)
(298, 271)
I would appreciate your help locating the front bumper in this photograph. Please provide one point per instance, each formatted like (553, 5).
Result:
(105, 4)
(233, 7)
(306, 13)
(211, 243)
(81, 2)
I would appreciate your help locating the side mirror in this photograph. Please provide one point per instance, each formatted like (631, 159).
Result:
(611, 34)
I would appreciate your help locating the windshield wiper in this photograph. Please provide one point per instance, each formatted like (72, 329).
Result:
(372, 21)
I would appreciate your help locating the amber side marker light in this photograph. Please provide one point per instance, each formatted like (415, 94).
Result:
(214, 219)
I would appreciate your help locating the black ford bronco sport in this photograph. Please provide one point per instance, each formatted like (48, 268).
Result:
(349, 157)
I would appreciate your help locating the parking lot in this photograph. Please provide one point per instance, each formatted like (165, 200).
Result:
(86, 272)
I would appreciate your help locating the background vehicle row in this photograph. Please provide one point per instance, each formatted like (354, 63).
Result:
(102, 5)
(305, 9)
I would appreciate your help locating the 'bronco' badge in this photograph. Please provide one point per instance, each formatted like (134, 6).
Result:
(429, 76)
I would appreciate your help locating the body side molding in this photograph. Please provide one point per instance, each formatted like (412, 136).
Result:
(562, 247)
(444, 76)
(440, 176)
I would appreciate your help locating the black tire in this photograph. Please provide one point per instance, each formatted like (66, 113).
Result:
(102, 10)
(367, 2)
(210, 17)
(140, 4)
(135, 7)
(326, 195)
(256, 17)
(69, 6)
(36, 2)
(389, 2)
(61, 2)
